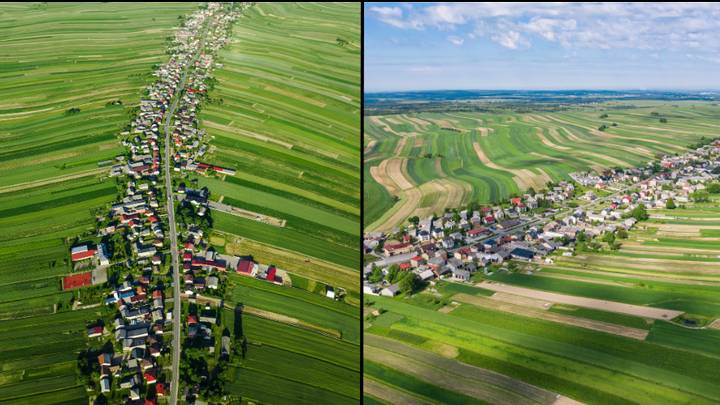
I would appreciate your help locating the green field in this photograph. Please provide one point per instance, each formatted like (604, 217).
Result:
(312, 366)
(285, 114)
(58, 57)
(521, 150)
(661, 264)
(589, 366)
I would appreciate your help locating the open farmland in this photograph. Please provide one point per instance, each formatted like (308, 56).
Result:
(285, 114)
(308, 341)
(70, 75)
(422, 163)
(588, 326)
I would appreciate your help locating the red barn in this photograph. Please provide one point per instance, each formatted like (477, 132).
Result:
(245, 266)
(271, 274)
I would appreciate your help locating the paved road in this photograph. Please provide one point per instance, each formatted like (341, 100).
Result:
(174, 385)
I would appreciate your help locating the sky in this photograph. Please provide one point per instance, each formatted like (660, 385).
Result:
(541, 46)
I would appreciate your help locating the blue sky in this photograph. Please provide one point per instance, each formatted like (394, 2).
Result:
(426, 46)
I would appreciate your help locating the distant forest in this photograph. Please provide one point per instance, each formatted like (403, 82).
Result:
(518, 101)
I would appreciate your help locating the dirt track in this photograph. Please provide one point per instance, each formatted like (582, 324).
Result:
(639, 334)
(603, 305)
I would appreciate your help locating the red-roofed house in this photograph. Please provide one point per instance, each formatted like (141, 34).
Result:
(95, 331)
(81, 253)
(150, 377)
(192, 319)
(392, 249)
(245, 267)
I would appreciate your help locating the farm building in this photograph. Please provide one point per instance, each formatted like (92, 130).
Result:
(82, 252)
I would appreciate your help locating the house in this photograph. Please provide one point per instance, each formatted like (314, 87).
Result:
(392, 249)
(105, 384)
(460, 275)
(212, 282)
(522, 254)
(329, 292)
(95, 331)
(150, 377)
(390, 291)
(371, 289)
(81, 253)
(246, 267)
(272, 275)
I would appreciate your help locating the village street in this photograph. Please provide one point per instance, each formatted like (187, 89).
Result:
(177, 313)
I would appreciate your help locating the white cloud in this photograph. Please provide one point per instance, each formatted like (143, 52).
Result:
(455, 40)
(649, 26)
(394, 16)
(510, 39)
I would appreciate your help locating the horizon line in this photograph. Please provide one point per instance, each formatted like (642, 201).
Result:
(548, 90)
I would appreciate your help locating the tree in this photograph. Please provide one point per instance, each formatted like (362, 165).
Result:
(670, 204)
(640, 213)
(581, 237)
(410, 284)
(609, 238)
(414, 220)
(376, 276)
(663, 120)
(531, 191)
(393, 272)
(700, 196)
(602, 127)
(622, 234)
(713, 188)
(603, 116)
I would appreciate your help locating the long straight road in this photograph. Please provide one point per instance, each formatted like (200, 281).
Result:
(177, 313)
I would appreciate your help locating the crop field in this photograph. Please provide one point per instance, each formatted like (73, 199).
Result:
(285, 114)
(426, 162)
(56, 58)
(38, 357)
(313, 366)
(590, 354)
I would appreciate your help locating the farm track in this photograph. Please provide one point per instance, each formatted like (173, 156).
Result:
(45, 182)
(531, 312)
(386, 393)
(603, 305)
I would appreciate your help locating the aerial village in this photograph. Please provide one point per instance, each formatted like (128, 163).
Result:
(533, 227)
(133, 233)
